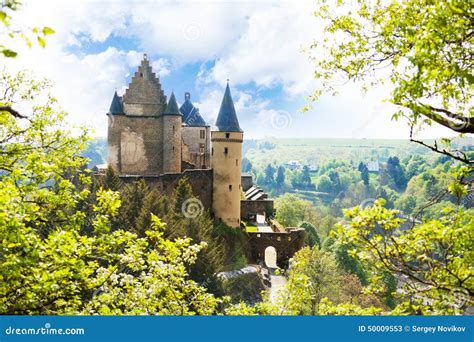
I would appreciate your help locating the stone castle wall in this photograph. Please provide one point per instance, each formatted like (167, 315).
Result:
(286, 245)
(200, 181)
(133, 144)
(198, 147)
(171, 145)
(255, 207)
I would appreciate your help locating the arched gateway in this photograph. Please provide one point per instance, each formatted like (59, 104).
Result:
(285, 244)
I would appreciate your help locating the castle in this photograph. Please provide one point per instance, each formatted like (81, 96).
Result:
(152, 138)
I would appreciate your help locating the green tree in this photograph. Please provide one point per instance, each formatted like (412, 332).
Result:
(182, 192)
(313, 276)
(325, 184)
(335, 180)
(406, 204)
(153, 203)
(364, 173)
(269, 174)
(423, 47)
(396, 172)
(246, 165)
(291, 210)
(312, 236)
(435, 256)
(111, 180)
(132, 197)
(280, 177)
(49, 264)
(306, 177)
(349, 263)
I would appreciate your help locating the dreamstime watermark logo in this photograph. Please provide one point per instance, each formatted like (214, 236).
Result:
(367, 203)
(46, 330)
(468, 199)
(192, 207)
(461, 298)
(281, 120)
(97, 292)
(192, 31)
(111, 120)
(459, 123)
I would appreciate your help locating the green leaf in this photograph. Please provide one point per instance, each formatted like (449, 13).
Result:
(9, 53)
(48, 30)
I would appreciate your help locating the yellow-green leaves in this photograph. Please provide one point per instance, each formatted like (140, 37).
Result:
(59, 251)
(423, 47)
(434, 257)
(7, 12)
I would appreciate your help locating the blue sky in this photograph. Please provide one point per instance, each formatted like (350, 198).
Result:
(195, 46)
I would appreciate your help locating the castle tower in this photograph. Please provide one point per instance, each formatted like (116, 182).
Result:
(226, 161)
(172, 120)
(135, 130)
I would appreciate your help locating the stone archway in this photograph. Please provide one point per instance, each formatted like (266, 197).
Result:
(270, 257)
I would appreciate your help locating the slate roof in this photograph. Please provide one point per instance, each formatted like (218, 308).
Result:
(172, 106)
(187, 107)
(191, 115)
(116, 107)
(227, 119)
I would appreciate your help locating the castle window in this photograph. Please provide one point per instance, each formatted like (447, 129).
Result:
(173, 128)
(230, 187)
(226, 150)
(212, 151)
(141, 74)
(227, 135)
(236, 162)
(202, 134)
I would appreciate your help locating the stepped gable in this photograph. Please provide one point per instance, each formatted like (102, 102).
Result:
(144, 95)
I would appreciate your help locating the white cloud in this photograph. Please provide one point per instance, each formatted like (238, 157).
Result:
(268, 53)
(83, 85)
(249, 42)
(161, 67)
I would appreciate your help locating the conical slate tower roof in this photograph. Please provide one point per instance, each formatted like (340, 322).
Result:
(227, 119)
(116, 107)
(172, 107)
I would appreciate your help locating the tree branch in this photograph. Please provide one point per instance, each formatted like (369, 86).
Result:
(13, 112)
(461, 156)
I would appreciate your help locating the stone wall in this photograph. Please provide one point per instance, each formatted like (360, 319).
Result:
(286, 245)
(171, 143)
(133, 144)
(247, 181)
(200, 181)
(256, 207)
(198, 145)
